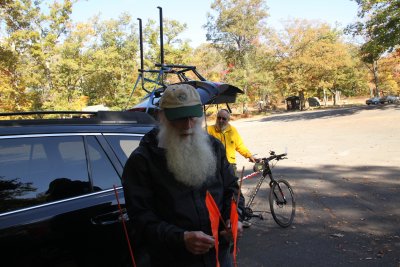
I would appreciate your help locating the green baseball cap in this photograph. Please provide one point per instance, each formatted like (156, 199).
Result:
(181, 101)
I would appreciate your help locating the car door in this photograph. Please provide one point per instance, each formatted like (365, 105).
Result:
(58, 202)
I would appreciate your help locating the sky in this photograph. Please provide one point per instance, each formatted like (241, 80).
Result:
(194, 12)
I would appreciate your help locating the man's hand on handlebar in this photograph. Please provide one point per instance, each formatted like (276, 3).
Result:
(253, 159)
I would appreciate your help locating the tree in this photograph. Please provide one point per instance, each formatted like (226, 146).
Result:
(209, 62)
(13, 96)
(236, 27)
(390, 73)
(30, 40)
(243, 100)
(176, 50)
(109, 61)
(381, 31)
(47, 62)
(311, 59)
(382, 25)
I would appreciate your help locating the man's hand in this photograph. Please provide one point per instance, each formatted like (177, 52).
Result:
(198, 242)
(253, 159)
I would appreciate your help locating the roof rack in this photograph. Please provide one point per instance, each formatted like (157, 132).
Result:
(75, 117)
(213, 92)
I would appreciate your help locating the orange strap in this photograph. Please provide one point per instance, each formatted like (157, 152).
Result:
(234, 228)
(214, 215)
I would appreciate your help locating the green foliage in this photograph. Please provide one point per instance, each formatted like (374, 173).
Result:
(236, 27)
(243, 99)
(48, 62)
(313, 59)
(390, 74)
(209, 62)
(176, 50)
(30, 41)
(381, 28)
(107, 62)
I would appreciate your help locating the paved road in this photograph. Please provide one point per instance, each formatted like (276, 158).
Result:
(344, 166)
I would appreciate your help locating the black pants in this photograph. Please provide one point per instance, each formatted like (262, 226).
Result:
(234, 167)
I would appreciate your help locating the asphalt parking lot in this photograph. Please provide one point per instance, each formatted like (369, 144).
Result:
(344, 167)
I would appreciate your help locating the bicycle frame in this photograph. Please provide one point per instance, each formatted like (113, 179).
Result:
(281, 198)
(266, 171)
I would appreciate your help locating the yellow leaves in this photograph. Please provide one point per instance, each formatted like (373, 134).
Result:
(312, 56)
(389, 73)
(12, 97)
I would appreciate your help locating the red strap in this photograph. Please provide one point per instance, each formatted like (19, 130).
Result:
(125, 229)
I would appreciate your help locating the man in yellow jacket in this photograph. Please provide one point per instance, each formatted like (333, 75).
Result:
(232, 141)
(229, 137)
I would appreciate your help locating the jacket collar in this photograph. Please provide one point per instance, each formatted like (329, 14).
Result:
(227, 129)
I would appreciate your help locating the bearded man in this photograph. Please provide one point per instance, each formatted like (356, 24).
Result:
(165, 183)
(230, 137)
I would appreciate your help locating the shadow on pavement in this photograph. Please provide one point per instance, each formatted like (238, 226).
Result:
(345, 216)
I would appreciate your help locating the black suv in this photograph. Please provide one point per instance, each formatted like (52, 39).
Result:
(58, 206)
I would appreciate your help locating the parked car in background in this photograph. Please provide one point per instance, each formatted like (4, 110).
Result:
(373, 101)
(389, 99)
(314, 102)
(58, 206)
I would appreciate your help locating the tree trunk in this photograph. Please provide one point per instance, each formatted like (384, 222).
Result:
(336, 98)
(375, 72)
(302, 102)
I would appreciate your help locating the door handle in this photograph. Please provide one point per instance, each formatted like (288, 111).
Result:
(110, 218)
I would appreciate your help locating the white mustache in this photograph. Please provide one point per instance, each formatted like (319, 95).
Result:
(187, 131)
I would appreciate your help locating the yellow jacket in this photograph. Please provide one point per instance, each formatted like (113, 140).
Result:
(232, 141)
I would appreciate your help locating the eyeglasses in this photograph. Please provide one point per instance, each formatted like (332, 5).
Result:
(222, 118)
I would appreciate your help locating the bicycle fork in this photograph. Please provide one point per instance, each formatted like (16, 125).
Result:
(279, 200)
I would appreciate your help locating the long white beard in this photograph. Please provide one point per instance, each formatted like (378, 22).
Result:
(191, 158)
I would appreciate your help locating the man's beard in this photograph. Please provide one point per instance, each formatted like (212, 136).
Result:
(190, 158)
(222, 126)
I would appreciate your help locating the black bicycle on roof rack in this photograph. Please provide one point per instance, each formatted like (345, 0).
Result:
(210, 92)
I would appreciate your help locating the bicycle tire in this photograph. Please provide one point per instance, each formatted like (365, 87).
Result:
(282, 205)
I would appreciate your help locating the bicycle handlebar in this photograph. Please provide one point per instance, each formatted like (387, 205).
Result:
(262, 163)
(273, 156)
(277, 157)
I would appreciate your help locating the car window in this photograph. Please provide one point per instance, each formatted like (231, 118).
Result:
(41, 169)
(123, 145)
(104, 175)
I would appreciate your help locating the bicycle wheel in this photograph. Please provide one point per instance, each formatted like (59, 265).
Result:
(282, 203)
